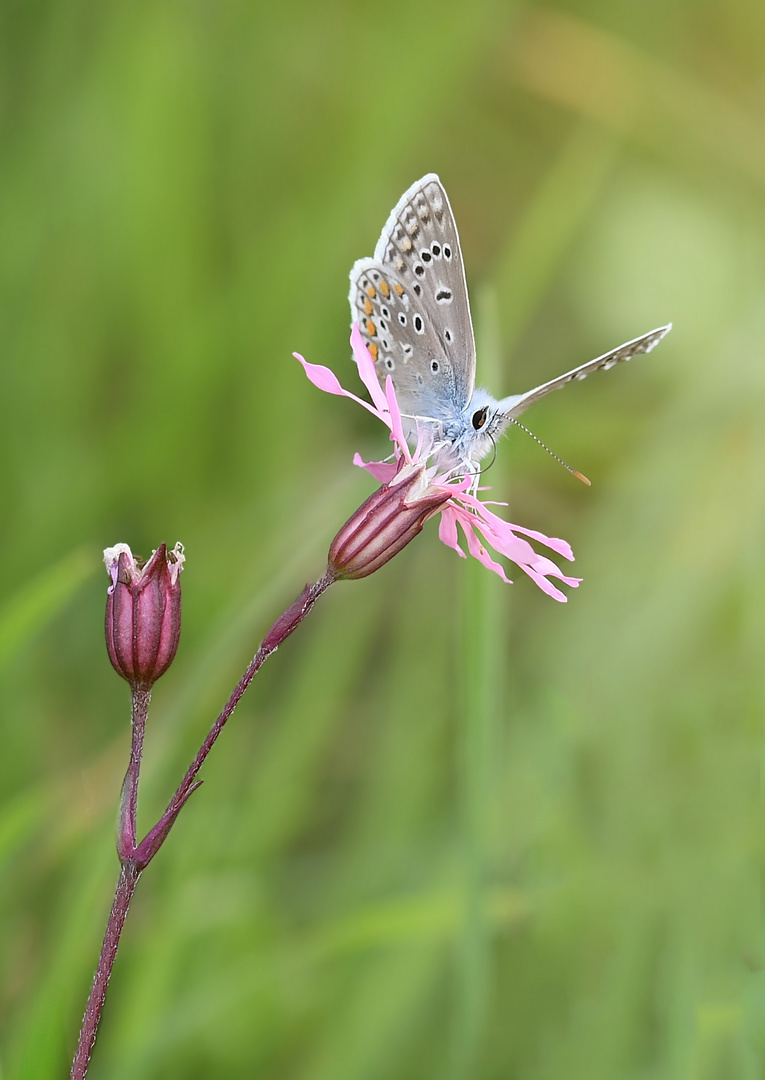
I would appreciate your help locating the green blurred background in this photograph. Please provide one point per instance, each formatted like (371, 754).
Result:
(455, 829)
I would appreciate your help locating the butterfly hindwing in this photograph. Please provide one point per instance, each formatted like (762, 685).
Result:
(402, 343)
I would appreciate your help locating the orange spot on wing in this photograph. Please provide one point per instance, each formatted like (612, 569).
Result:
(371, 292)
(368, 307)
(373, 352)
(371, 328)
(399, 289)
(384, 289)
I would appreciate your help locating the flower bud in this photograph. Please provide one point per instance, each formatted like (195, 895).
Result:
(385, 523)
(143, 612)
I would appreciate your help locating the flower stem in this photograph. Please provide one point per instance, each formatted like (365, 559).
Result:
(126, 884)
(127, 828)
(135, 858)
(278, 633)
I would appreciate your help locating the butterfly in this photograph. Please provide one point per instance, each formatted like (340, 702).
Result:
(410, 301)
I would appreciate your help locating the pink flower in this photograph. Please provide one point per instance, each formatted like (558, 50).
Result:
(414, 490)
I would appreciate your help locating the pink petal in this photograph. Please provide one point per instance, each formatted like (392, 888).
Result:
(499, 535)
(367, 372)
(478, 551)
(447, 529)
(553, 542)
(502, 528)
(546, 586)
(384, 471)
(396, 427)
(321, 376)
(327, 380)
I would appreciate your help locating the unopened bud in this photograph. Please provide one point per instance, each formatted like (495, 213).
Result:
(385, 523)
(143, 612)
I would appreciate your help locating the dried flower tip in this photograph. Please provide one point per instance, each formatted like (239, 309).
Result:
(143, 612)
(384, 524)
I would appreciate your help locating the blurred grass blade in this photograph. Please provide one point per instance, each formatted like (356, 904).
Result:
(39, 601)
(19, 818)
(481, 644)
(40, 1042)
(557, 211)
(481, 647)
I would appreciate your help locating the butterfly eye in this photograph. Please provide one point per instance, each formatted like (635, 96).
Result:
(480, 417)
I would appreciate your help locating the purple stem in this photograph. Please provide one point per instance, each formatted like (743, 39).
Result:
(127, 832)
(135, 858)
(126, 884)
(281, 630)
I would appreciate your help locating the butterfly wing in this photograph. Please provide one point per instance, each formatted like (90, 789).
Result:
(411, 303)
(513, 406)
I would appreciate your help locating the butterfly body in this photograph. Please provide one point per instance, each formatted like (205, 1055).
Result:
(411, 303)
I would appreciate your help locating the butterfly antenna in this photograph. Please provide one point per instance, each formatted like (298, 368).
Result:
(574, 472)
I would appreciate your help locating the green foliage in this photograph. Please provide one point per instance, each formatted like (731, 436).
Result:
(454, 829)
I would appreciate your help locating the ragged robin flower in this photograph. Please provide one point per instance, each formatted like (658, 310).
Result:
(414, 488)
(143, 612)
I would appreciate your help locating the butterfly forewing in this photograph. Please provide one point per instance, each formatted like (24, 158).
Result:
(514, 406)
(412, 307)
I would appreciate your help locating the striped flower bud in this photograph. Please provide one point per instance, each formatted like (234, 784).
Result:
(143, 612)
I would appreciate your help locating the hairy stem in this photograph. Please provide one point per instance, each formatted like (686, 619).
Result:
(126, 884)
(127, 833)
(135, 858)
(281, 630)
